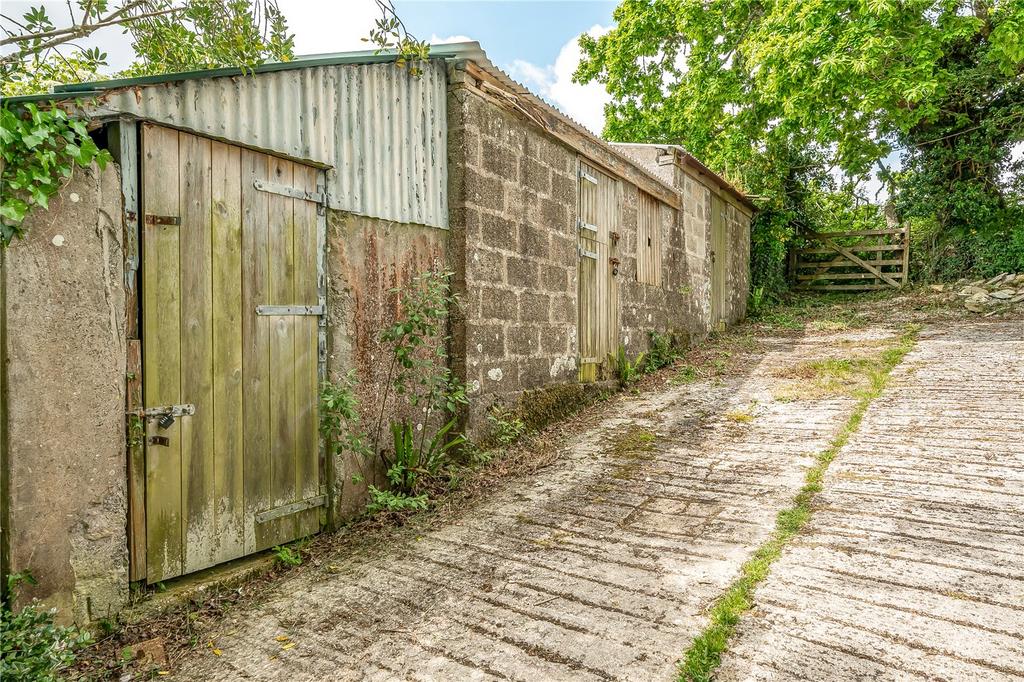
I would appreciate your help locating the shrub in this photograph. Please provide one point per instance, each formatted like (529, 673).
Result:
(627, 370)
(506, 426)
(32, 647)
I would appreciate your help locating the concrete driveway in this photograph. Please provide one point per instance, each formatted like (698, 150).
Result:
(602, 565)
(913, 567)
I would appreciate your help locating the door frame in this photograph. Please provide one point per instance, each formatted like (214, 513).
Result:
(125, 142)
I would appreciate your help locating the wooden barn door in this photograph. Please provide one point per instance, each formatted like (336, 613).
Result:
(719, 262)
(230, 315)
(598, 331)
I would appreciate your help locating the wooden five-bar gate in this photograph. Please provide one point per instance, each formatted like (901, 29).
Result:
(861, 260)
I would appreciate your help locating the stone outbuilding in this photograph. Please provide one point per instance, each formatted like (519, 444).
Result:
(165, 325)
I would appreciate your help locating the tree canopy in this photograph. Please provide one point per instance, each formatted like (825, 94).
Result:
(776, 93)
(40, 144)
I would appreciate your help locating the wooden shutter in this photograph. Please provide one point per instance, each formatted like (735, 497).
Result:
(648, 248)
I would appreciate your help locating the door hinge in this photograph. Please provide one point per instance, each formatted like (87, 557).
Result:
(289, 509)
(319, 197)
(585, 225)
(289, 310)
(587, 254)
(584, 175)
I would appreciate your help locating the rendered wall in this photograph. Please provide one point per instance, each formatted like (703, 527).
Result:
(64, 400)
(367, 260)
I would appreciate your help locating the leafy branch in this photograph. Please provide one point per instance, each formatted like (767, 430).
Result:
(390, 33)
(42, 144)
(40, 149)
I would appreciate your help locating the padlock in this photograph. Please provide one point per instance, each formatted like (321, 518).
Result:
(165, 421)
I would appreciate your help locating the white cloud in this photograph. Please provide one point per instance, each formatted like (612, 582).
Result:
(321, 27)
(553, 82)
(330, 26)
(438, 40)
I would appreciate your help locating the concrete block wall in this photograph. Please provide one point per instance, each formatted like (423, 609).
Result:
(697, 234)
(692, 232)
(666, 163)
(513, 192)
(738, 270)
(62, 400)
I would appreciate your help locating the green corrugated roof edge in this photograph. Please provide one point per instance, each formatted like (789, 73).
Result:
(93, 88)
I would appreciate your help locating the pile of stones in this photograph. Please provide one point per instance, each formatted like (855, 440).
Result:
(996, 295)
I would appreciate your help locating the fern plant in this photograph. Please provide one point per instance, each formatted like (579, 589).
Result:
(627, 370)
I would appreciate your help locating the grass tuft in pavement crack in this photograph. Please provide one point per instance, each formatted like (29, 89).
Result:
(705, 654)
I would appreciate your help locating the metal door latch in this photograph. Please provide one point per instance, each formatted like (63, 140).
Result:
(164, 412)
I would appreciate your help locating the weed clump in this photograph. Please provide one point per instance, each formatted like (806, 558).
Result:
(32, 647)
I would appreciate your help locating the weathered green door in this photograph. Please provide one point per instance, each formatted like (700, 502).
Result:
(719, 262)
(597, 223)
(230, 320)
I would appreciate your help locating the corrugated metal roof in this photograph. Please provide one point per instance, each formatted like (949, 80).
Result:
(386, 144)
(89, 88)
(381, 131)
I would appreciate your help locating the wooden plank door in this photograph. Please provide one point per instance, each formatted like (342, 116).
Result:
(238, 468)
(598, 330)
(719, 262)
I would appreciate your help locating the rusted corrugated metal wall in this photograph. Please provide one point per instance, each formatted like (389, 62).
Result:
(381, 130)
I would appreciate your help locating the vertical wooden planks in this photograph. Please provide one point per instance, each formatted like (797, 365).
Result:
(195, 263)
(282, 351)
(307, 450)
(648, 256)
(216, 248)
(227, 450)
(612, 209)
(600, 206)
(258, 470)
(162, 351)
(136, 465)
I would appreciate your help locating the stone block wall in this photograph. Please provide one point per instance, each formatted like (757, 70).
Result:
(697, 231)
(666, 163)
(62, 400)
(738, 270)
(513, 193)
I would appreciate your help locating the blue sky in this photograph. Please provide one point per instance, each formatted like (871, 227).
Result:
(529, 30)
(533, 40)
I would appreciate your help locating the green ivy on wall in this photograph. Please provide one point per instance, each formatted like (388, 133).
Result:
(40, 149)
